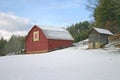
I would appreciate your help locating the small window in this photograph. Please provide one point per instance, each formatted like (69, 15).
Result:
(36, 36)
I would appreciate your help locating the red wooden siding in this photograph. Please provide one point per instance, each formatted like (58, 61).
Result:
(36, 46)
(55, 44)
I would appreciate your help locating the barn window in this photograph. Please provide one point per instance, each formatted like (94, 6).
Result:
(36, 36)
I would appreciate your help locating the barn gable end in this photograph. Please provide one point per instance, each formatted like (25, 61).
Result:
(39, 45)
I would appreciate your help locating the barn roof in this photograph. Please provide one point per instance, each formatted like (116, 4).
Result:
(56, 33)
(103, 31)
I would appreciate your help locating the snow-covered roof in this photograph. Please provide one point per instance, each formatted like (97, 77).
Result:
(103, 31)
(56, 33)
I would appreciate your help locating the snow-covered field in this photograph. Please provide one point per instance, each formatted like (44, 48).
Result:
(74, 63)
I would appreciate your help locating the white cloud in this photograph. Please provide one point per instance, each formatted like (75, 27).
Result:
(7, 35)
(11, 24)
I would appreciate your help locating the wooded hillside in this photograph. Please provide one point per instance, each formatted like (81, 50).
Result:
(106, 14)
(79, 31)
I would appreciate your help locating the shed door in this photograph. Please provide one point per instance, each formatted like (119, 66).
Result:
(91, 45)
(97, 45)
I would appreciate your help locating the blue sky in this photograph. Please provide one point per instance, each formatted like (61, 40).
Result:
(59, 13)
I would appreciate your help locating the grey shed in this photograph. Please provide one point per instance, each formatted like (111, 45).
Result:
(98, 37)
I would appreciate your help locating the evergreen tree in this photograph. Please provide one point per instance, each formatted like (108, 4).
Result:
(79, 31)
(104, 14)
(2, 45)
(15, 45)
(117, 16)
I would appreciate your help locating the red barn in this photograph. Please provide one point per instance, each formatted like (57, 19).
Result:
(44, 39)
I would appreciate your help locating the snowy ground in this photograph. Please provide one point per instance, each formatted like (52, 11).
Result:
(74, 63)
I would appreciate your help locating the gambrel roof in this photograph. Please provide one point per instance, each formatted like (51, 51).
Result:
(56, 33)
(102, 31)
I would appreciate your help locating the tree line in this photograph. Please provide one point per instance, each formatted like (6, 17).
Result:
(79, 31)
(15, 45)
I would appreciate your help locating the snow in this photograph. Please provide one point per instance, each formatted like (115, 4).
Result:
(62, 35)
(103, 31)
(111, 46)
(74, 63)
(56, 33)
(51, 28)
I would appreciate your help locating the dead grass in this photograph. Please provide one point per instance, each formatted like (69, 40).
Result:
(115, 37)
(117, 45)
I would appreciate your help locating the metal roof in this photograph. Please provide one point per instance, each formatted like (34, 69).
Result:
(103, 31)
(56, 33)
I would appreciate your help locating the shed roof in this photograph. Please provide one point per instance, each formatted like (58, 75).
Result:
(103, 31)
(56, 33)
